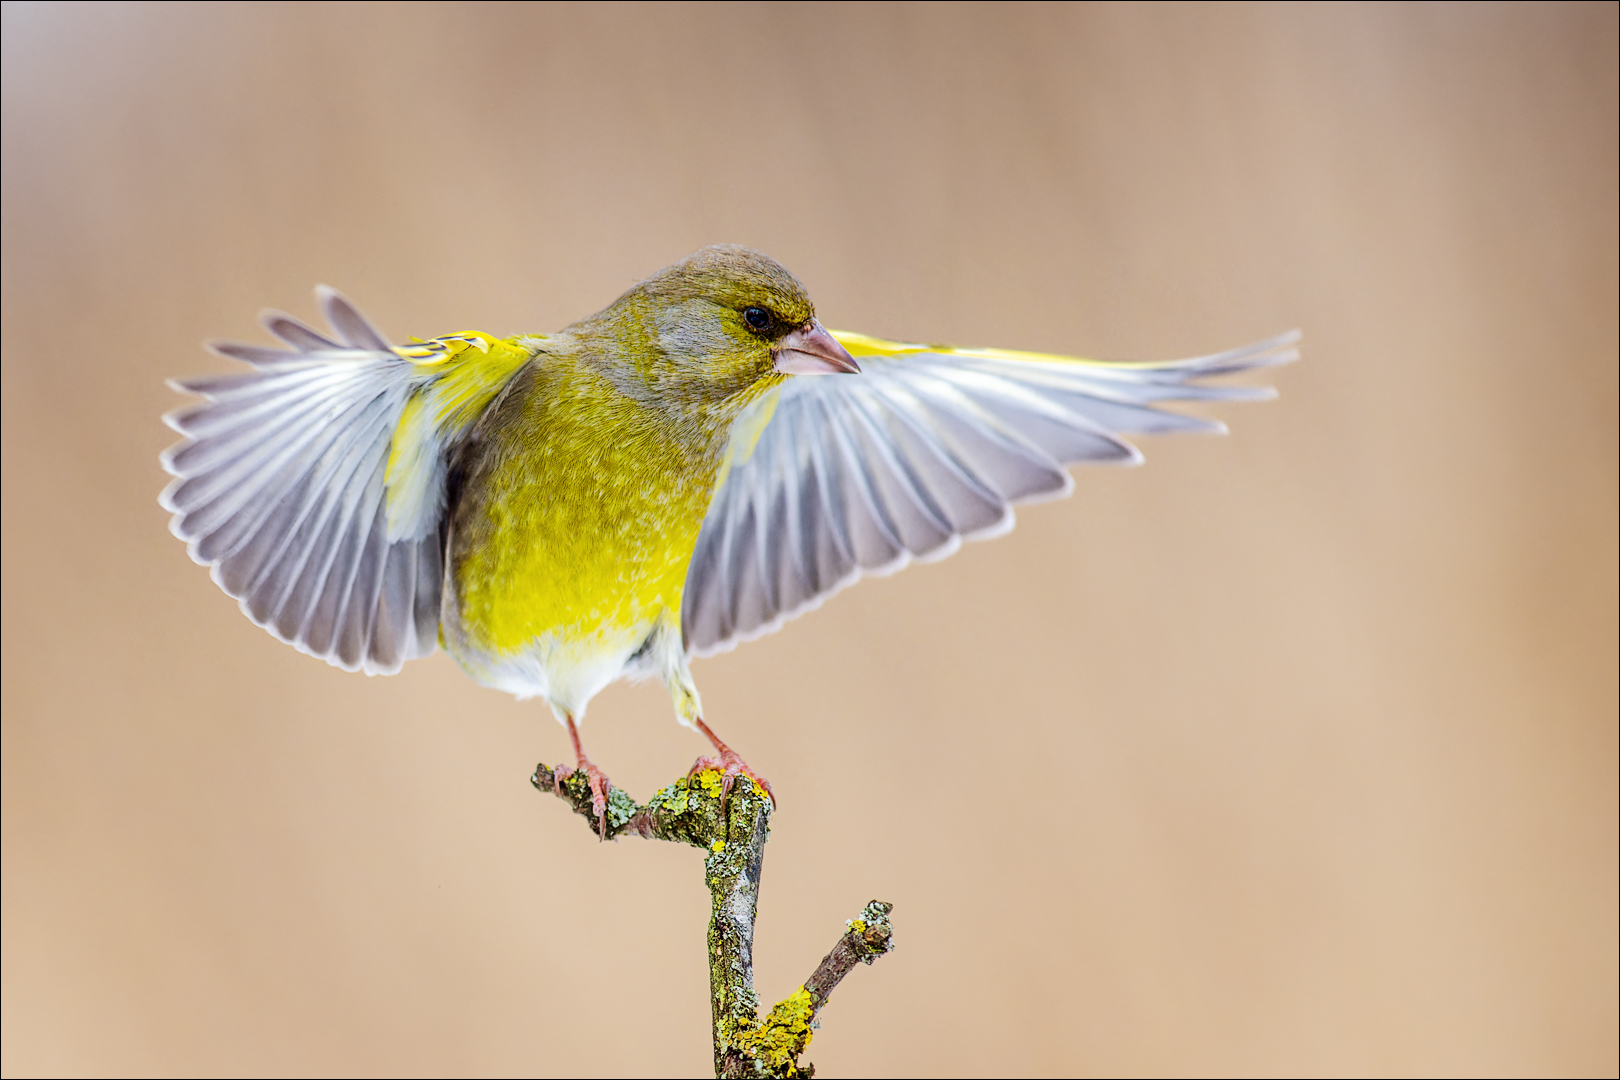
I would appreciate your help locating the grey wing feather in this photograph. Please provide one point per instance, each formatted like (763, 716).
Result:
(863, 474)
(279, 489)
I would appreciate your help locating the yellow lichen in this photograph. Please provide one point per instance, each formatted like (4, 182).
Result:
(718, 846)
(777, 1041)
(710, 779)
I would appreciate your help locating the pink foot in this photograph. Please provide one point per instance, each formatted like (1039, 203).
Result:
(730, 765)
(600, 785)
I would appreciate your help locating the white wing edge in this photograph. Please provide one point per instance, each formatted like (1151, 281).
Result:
(415, 629)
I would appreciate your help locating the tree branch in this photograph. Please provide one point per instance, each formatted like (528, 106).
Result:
(732, 832)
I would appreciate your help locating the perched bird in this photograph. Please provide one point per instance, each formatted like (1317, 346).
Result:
(685, 470)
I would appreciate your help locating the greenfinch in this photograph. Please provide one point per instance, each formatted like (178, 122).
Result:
(685, 470)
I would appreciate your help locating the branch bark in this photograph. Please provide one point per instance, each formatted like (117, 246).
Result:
(732, 832)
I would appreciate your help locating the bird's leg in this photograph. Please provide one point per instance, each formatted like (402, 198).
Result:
(596, 778)
(730, 764)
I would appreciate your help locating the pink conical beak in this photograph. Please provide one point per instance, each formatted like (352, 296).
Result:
(810, 350)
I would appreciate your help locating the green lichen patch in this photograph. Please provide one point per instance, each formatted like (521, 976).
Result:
(687, 812)
(875, 931)
(620, 806)
(620, 809)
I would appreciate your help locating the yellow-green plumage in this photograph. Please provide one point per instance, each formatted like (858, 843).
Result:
(655, 482)
(583, 513)
(581, 492)
(578, 519)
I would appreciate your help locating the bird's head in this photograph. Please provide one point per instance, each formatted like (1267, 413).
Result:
(721, 321)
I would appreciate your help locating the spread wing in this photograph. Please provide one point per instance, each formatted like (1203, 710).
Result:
(831, 477)
(313, 486)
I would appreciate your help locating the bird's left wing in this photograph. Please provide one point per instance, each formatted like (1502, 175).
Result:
(832, 476)
(313, 487)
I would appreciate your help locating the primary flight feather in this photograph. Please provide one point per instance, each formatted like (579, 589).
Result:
(687, 469)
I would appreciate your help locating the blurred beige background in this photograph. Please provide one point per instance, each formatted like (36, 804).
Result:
(1292, 752)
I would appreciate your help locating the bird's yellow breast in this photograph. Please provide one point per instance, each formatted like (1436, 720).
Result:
(581, 518)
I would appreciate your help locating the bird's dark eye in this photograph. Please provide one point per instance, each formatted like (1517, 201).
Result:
(757, 318)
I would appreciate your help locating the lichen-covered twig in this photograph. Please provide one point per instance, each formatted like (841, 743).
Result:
(868, 937)
(772, 1047)
(732, 831)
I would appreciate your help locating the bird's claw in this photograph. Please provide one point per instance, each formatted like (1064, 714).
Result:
(730, 765)
(599, 784)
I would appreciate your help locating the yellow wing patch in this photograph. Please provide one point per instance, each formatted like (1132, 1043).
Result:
(460, 376)
(860, 345)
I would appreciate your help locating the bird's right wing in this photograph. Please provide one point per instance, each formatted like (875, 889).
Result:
(829, 477)
(313, 487)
